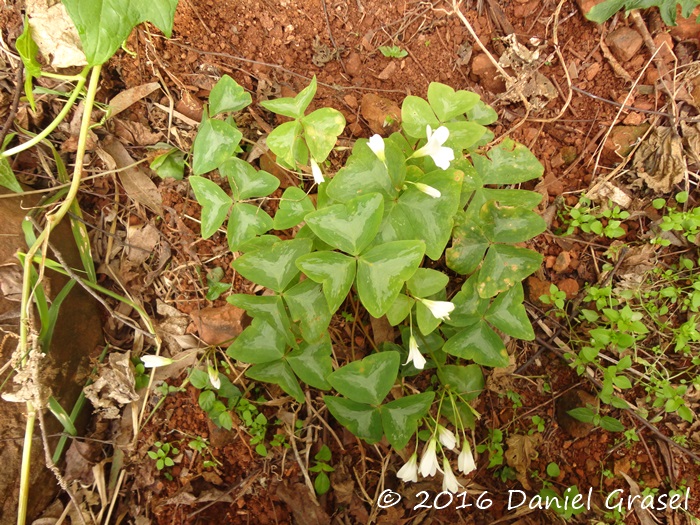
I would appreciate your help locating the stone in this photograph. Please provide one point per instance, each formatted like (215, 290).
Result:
(353, 65)
(621, 141)
(570, 287)
(536, 288)
(486, 73)
(562, 262)
(625, 43)
(382, 115)
(220, 325)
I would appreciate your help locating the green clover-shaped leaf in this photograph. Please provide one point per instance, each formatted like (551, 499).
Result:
(368, 380)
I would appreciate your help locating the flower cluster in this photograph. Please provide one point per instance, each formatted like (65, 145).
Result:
(429, 464)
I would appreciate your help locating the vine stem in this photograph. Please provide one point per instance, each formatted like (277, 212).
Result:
(81, 78)
(52, 220)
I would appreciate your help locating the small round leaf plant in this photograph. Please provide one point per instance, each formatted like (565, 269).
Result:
(427, 197)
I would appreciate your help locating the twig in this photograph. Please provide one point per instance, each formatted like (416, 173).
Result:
(13, 107)
(244, 485)
(330, 33)
(619, 70)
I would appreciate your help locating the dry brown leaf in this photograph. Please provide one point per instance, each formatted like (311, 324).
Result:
(306, 511)
(141, 242)
(135, 133)
(113, 387)
(521, 451)
(382, 331)
(55, 34)
(660, 161)
(129, 97)
(138, 184)
(643, 515)
(500, 380)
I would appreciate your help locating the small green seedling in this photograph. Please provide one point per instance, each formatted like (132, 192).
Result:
(217, 402)
(214, 285)
(393, 51)
(322, 483)
(163, 454)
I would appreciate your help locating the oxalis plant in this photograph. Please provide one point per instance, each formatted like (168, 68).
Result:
(430, 196)
(102, 25)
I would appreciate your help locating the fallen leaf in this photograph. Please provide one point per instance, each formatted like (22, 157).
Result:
(141, 242)
(135, 133)
(55, 34)
(306, 510)
(136, 182)
(660, 161)
(114, 386)
(129, 97)
(643, 514)
(382, 331)
(521, 451)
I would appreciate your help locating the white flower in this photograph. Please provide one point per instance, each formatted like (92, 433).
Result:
(214, 377)
(409, 472)
(441, 155)
(439, 309)
(316, 172)
(414, 354)
(154, 361)
(447, 437)
(376, 144)
(429, 461)
(449, 481)
(465, 461)
(428, 190)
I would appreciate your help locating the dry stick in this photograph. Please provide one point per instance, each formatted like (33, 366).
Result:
(244, 484)
(456, 10)
(13, 107)
(330, 33)
(619, 70)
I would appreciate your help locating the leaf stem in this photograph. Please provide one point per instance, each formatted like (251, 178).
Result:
(81, 78)
(52, 220)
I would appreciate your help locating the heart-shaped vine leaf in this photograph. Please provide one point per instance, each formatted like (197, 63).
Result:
(259, 343)
(246, 221)
(285, 141)
(400, 417)
(292, 107)
(431, 218)
(510, 224)
(278, 373)
(369, 380)
(307, 305)
(246, 181)
(382, 272)
(464, 135)
(269, 308)
(321, 130)
(363, 173)
(215, 204)
(504, 266)
(273, 267)
(312, 362)
(470, 307)
(479, 343)
(216, 142)
(364, 421)
(400, 309)
(508, 163)
(228, 96)
(508, 314)
(426, 282)
(294, 205)
(465, 380)
(350, 227)
(416, 114)
(104, 24)
(469, 244)
(482, 114)
(447, 104)
(335, 271)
